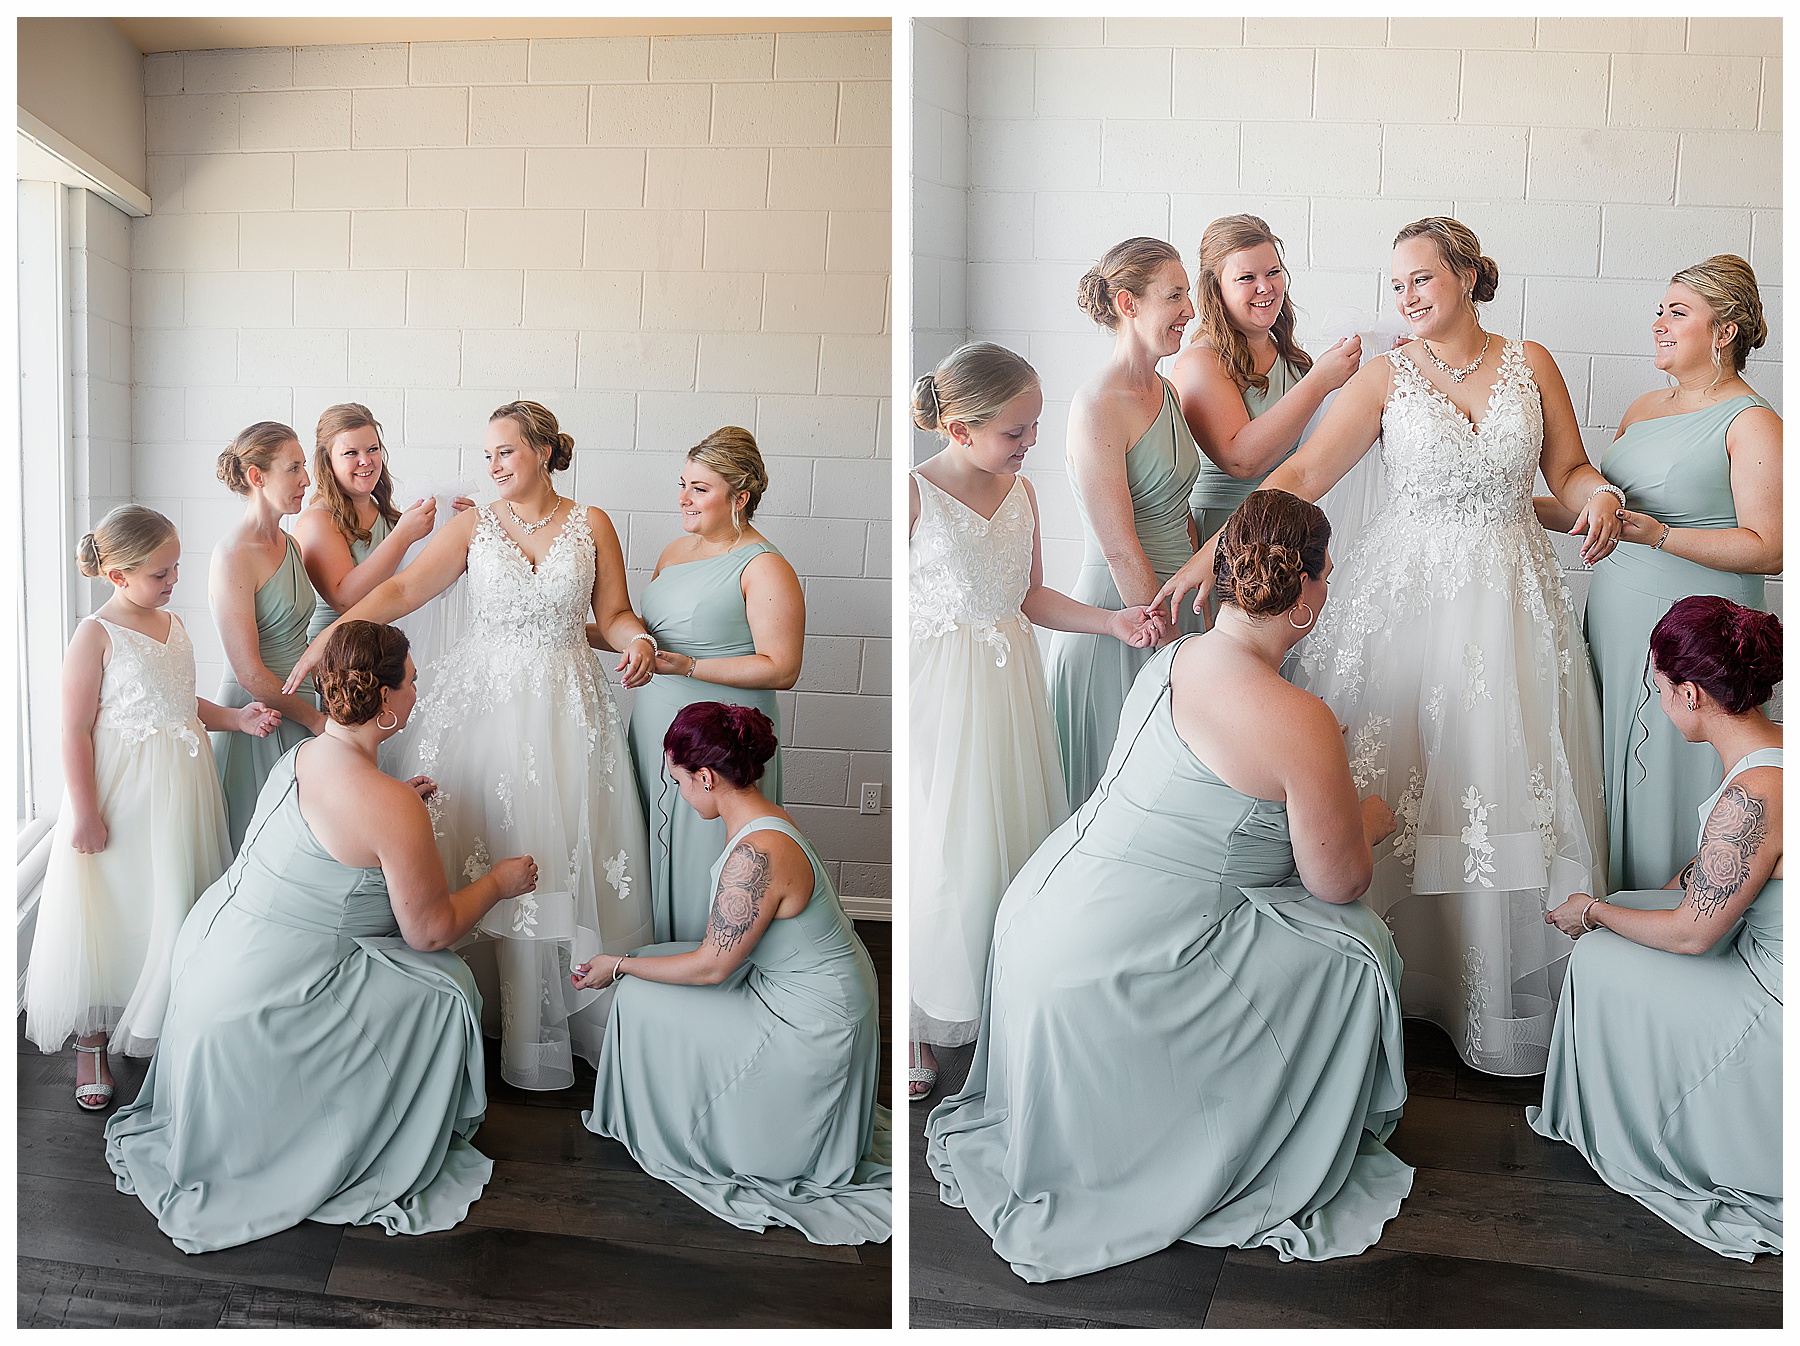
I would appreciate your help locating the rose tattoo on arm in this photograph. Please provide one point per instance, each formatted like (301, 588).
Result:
(1733, 835)
(743, 884)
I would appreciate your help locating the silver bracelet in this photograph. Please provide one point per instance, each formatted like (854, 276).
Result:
(618, 970)
(1664, 538)
(645, 635)
(1607, 486)
(1592, 903)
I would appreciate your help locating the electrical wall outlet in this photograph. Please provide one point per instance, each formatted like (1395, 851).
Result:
(871, 797)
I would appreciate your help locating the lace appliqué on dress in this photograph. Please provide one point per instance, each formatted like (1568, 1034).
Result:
(969, 571)
(147, 687)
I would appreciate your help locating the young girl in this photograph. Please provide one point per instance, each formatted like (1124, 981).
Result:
(142, 827)
(987, 783)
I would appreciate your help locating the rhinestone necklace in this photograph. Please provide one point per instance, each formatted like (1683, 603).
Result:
(1458, 375)
(530, 528)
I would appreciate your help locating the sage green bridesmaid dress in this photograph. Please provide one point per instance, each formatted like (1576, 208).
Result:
(696, 608)
(323, 613)
(1170, 1049)
(1676, 470)
(756, 1098)
(1665, 1069)
(1089, 675)
(1216, 493)
(312, 1065)
(284, 606)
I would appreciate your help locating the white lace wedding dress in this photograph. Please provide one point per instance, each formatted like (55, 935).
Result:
(520, 731)
(1451, 651)
(987, 783)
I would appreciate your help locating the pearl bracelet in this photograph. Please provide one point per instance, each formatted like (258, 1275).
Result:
(1609, 487)
(652, 639)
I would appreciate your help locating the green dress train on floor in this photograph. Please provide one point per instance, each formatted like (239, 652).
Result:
(1665, 1069)
(695, 608)
(284, 607)
(312, 1064)
(1169, 1049)
(756, 1098)
(1676, 470)
(1090, 675)
(1216, 492)
(323, 613)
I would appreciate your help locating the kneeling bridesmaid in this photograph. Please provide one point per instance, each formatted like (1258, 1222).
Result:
(321, 1055)
(1665, 1065)
(743, 1070)
(1171, 1049)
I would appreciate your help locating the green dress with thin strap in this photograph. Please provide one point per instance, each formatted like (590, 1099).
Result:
(1176, 1043)
(695, 608)
(284, 607)
(1676, 470)
(312, 1064)
(1089, 676)
(1216, 493)
(323, 613)
(1665, 1068)
(756, 1098)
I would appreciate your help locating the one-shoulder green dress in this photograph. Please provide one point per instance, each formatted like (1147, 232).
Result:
(1676, 470)
(323, 613)
(756, 1098)
(1169, 1048)
(695, 608)
(312, 1064)
(1090, 675)
(284, 607)
(1216, 492)
(1665, 1068)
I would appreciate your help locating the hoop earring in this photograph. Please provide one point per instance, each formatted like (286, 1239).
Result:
(387, 727)
(1311, 617)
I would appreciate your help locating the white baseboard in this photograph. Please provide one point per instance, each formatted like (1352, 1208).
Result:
(868, 908)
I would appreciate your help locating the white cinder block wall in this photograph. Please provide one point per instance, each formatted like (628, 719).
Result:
(1594, 157)
(100, 361)
(940, 188)
(652, 236)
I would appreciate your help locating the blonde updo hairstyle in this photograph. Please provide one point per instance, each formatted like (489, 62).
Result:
(126, 538)
(1461, 251)
(1129, 267)
(359, 660)
(538, 428)
(731, 452)
(1225, 236)
(1728, 286)
(256, 446)
(334, 421)
(1270, 543)
(972, 385)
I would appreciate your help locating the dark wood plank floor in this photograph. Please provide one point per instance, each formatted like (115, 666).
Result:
(1503, 1229)
(569, 1233)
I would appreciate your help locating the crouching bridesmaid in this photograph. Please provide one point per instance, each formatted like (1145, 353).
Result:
(1665, 1064)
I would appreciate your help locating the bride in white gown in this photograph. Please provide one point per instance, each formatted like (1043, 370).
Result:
(526, 744)
(1452, 652)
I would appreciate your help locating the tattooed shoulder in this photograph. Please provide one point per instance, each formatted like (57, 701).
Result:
(1734, 833)
(743, 887)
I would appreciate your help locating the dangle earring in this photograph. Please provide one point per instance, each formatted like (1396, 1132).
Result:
(1311, 616)
(736, 524)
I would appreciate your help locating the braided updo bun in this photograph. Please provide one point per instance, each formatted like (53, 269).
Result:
(359, 661)
(1731, 652)
(734, 742)
(538, 428)
(1268, 547)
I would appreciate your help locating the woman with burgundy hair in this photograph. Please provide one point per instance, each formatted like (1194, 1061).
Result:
(742, 1070)
(1665, 1066)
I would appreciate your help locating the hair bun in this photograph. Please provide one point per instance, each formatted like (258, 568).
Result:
(1758, 640)
(1093, 296)
(231, 471)
(925, 409)
(87, 556)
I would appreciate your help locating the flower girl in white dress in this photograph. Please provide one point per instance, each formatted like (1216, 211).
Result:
(987, 787)
(142, 827)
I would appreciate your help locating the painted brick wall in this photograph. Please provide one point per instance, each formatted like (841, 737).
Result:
(652, 236)
(940, 187)
(1593, 156)
(99, 272)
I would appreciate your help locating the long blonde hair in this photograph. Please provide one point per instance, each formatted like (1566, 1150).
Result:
(1223, 237)
(333, 421)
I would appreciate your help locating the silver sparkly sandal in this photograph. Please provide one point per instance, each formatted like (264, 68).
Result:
(94, 1089)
